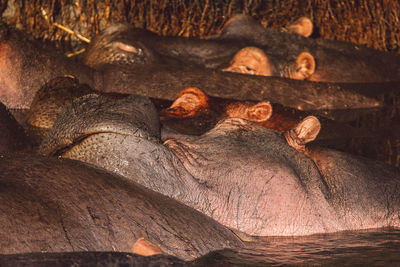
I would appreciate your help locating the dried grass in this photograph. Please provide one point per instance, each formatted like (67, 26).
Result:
(374, 23)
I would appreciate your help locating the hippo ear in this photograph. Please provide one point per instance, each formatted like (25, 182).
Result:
(305, 66)
(304, 132)
(259, 112)
(187, 104)
(144, 247)
(125, 47)
(250, 60)
(303, 26)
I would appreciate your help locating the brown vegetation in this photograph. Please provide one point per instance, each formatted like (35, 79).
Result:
(374, 23)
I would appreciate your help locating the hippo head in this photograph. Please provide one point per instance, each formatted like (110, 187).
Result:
(94, 116)
(253, 61)
(121, 135)
(117, 45)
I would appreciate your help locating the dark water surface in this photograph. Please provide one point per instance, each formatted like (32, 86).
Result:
(366, 248)
(361, 248)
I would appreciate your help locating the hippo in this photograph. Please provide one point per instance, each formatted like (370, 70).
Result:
(267, 187)
(61, 205)
(273, 53)
(123, 44)
(117, 45)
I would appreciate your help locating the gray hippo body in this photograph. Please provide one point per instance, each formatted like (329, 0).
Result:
(241, 174)
(56, 205)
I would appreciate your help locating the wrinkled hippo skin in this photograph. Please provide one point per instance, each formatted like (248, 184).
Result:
(239, 173)
(87, 259)
(53, 205)
(12, 135)
(26, 64)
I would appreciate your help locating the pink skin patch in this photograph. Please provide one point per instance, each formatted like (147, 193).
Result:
(10, 89)
(125, 47)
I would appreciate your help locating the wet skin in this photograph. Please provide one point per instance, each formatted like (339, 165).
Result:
(59, 205)
(265, 188)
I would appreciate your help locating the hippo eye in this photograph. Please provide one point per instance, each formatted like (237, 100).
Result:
(249, 70)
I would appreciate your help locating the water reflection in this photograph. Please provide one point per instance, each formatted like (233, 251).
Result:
(363, 248)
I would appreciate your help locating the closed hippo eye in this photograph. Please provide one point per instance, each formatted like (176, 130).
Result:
(249, 70)
(250, 60)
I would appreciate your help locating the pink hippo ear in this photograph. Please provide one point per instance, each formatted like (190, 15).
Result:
(144, 247)
(250, 60)
(305, 66)
(187, 104)
(125, 47)
(259, 112)
(303, 26)
(304, 132)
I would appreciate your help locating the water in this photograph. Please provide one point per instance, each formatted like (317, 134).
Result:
(361, 248)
